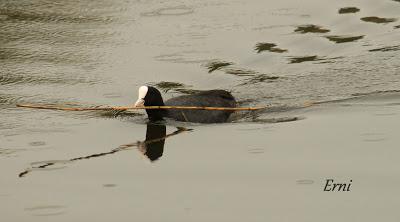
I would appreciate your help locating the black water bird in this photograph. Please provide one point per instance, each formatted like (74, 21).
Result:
(150, 96)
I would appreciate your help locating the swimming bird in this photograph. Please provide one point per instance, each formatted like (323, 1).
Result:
(150, 96)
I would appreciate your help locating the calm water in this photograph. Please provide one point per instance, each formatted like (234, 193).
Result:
(88, 53)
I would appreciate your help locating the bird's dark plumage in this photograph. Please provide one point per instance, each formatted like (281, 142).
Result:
(210, 98)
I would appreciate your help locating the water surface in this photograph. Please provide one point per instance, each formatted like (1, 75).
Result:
(287, 55)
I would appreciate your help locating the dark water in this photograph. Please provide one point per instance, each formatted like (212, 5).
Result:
(87, 53)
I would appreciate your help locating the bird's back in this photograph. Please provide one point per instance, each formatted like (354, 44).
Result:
(211, 98)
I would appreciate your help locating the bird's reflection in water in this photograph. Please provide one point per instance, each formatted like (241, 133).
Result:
(152, 147)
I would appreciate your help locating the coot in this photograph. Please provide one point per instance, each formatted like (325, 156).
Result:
(150, 96)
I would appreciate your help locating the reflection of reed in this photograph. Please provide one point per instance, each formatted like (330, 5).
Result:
(386, 49)
(378, 20)
(263, 46)
(138, 144)
(301, 59)
(315, 58)
(347, 10)
(259, 79)
(216, 65)
(343, 39)
(310, 29)
(167, 86)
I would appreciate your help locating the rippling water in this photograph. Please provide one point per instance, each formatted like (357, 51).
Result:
(99, 52)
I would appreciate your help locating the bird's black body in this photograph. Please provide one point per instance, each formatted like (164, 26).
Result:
(154, 98)
(210, 98)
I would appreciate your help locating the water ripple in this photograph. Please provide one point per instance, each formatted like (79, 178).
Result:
(46, 210)
(14, 14)
(16, 79)
(170, 11)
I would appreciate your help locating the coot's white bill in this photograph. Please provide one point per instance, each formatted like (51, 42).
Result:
(142, 93)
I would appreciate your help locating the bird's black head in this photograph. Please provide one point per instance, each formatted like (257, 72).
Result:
(150, 96)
